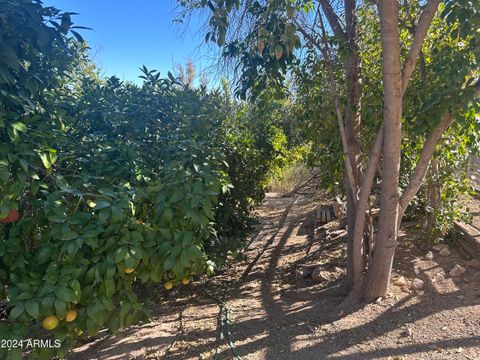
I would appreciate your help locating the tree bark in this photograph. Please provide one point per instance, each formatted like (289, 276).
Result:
(350, 124)
(362, 205)
(333, 19)
(425, 156)
(379, 275)
(350, 217)
(352, 129)
(434, 202)
(353, 109)
(420, 33)
(422, 164)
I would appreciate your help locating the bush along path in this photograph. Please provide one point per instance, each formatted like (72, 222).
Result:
(105, 185)
(272, 313)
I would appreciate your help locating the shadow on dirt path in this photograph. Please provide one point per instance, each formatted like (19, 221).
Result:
(440, 322)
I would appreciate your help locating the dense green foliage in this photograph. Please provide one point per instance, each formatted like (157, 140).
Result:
(114, 182)
(443, 81)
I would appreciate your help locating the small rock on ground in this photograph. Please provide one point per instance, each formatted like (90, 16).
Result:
(457, 270)
(440, 247)
(445, 252)
(474, 263)
(320, 275)
(417, 284)
(401, 281)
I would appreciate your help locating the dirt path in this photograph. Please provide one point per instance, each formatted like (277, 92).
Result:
(272, 318)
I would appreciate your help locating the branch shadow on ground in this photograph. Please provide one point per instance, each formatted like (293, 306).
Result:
(294, 329)
(279, 342)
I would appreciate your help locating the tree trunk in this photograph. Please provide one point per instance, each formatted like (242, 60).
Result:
(350, 215)
(352, 130)
(352, 117)
(359, 255)
(433, 204)
(353, 108)
(379, 275)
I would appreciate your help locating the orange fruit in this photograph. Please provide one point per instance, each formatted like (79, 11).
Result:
(168, 285)
(50, 322)
(71, 315)
(185, 280)
(129, 270)
(13, 216)
(261, 45)
(278, 52)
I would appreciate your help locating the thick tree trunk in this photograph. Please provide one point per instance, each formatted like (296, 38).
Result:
(379, 275)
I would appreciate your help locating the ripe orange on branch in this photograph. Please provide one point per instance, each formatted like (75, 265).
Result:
(50, 322)
(13, 216)
(71, 315)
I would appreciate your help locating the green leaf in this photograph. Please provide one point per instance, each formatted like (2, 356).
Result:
(109, 287)
(130, 260)
(44, 255)
(65, 294)
(168, 214)
(176, 197)
(17, 311)
(60, 307)
(176, 250)
(68, 235)
(102, 204)
(165, 233)
(24, 165)
(19, 126)
(168, 264)
(120, 255)
(14, 354)
(32, 308)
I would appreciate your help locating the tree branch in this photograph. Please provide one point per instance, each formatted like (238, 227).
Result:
(309, 37)
(424, 161)
(425, 156)
(338, 112)
(420, 33)
(333, 19)
(362, 206)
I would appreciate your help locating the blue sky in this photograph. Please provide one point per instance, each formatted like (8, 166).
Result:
(129, 34)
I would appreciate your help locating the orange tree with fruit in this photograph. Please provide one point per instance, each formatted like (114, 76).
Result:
(104, 183)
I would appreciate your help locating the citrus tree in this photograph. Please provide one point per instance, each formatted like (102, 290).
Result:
(105, 183)
(361, 58)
